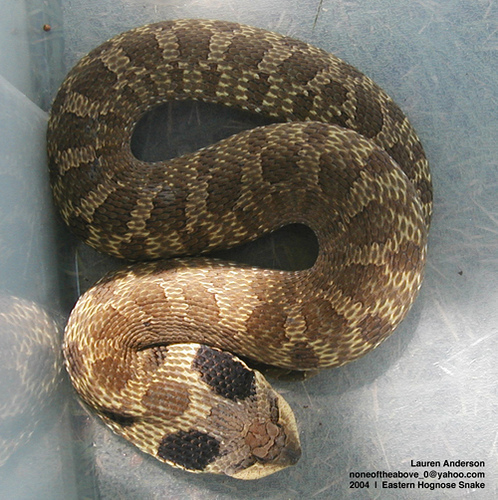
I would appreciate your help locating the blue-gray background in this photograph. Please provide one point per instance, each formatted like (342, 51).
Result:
(429, 392)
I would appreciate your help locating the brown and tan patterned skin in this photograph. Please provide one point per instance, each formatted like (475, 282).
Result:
(149, 346)
(30, 368)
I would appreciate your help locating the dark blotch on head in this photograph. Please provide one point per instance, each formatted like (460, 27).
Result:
(193, 450)
(227, 376)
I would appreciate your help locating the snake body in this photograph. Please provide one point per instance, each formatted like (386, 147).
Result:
(153, 347)
(30, 366)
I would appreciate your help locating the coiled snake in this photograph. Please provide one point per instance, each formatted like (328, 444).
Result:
(149, 347)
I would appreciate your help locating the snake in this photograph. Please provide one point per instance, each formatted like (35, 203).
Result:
(30, 364)
(161, 349)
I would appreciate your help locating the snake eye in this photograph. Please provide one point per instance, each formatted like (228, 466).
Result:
(274, 412)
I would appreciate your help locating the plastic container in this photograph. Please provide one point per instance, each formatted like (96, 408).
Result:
(428, 394)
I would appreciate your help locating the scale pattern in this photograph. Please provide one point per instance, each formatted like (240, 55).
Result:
(150, 346)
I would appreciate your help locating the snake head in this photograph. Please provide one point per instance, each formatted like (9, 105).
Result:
(243, 428)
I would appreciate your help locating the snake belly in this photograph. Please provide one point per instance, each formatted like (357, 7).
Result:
(155, 347)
